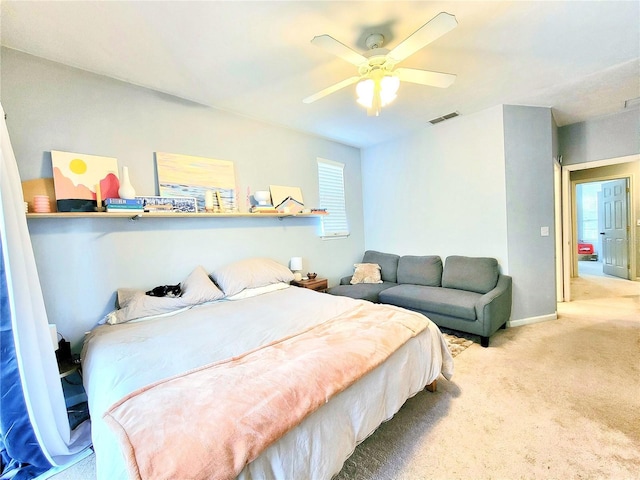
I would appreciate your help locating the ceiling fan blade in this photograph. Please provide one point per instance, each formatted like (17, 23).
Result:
(425, 77)
(333, 46)
(331, 89)
(430, 31)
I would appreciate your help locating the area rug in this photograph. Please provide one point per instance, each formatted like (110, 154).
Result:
(457, 344)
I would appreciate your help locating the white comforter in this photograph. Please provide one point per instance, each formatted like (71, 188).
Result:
(119, 359)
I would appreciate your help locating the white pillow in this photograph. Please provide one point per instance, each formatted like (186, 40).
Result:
(250, 273)
(134, 304)
(254, 292)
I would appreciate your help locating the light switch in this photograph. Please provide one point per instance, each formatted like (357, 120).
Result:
(544, 231)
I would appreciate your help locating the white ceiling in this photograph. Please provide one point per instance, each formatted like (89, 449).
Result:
(255, 58)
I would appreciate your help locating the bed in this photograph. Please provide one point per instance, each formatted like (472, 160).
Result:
(157, 384)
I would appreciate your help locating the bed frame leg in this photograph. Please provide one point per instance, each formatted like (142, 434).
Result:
(432, 387)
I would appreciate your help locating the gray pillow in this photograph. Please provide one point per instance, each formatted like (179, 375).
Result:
(388, 264)
(134, 304)
(424, 270)
(473, 274)
(250, 273)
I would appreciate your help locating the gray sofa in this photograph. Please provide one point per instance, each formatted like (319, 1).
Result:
(468, 294)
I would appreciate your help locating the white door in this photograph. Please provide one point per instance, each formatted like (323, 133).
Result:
(615, 250)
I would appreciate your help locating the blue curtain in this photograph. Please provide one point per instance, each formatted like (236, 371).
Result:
(20, 451)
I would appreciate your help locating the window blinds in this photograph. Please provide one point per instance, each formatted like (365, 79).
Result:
(331, 185)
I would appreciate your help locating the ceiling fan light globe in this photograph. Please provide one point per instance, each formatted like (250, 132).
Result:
(364, 90)
(390, 83)
(365, 102)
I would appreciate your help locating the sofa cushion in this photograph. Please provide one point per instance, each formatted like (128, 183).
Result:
(474, 274)
(425, 270)
(388, 264)
(363, 291)
(445, 301)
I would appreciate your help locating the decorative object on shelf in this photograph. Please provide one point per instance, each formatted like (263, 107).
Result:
(184, 174)
(263, 203)
(295, 265)
(39, 186)
(76, 175)
(126, 190)
(312, 276)
(208, 201)
(290, 205)
(262, 197)
(280, 193)
(169, 204)
(41, 204)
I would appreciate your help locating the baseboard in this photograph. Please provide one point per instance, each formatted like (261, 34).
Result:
(530, 320)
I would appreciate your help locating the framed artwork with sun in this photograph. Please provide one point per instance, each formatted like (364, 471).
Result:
(77, 176)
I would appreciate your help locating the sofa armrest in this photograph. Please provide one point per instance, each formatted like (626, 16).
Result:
(493, 309)
(346, 280)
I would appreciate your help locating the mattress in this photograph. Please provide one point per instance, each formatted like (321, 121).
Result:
(120, 359)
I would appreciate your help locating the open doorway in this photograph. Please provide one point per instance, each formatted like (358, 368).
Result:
(627, 168)
(602, 228)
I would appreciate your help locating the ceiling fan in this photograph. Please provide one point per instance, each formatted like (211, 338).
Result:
(378, 79)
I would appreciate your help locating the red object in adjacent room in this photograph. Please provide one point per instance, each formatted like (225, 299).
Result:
(585, 249)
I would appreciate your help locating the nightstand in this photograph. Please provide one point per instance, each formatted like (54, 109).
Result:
(317, 284)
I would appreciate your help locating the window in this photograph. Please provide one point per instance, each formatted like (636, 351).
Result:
(331, 185)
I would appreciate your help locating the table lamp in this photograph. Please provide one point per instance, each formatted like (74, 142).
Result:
(295, 264)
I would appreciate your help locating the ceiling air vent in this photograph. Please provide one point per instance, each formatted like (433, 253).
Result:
(443, 118)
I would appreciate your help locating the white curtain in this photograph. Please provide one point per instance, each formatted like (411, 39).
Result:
(35, 354)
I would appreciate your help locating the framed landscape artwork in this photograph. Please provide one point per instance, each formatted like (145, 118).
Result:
(78, 176)
(189, 176)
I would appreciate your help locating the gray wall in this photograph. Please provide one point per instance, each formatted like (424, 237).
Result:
(529, 151)
(81, 262)
(606, 137)
(478, 185)
(603, 138)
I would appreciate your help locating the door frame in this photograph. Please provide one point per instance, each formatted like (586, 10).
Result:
(568, 234)
(574, 213)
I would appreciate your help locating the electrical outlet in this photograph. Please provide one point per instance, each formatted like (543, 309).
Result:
(544, 231)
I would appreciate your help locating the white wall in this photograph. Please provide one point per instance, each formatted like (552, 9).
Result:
(439, 192)
(81, 262)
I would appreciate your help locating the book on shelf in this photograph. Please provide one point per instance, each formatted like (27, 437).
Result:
(126, 207)
(166, 208)
(111, 202)
(124, 210)
(263, 209)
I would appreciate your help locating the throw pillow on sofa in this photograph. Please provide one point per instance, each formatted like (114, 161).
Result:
(366, 273)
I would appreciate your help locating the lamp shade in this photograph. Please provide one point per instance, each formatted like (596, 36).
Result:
(295, 263)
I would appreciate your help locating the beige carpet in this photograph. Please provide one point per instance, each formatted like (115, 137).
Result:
(553, 400)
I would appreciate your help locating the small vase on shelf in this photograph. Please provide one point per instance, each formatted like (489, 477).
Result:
(126, 190)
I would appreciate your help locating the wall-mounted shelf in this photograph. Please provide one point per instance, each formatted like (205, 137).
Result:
(138, 215)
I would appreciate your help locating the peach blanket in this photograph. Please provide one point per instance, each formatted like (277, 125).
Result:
(210, 422)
